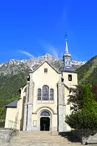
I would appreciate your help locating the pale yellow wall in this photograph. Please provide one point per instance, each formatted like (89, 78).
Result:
(74, 78)
(51, 79)
(66, 91)
(69, 83)
(40, 78)
(20, 108)
(19, 113)
(14, 116)
(11, 121)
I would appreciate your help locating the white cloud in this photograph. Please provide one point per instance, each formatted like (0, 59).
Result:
(25, 53)
(49, 48)
(53, 51)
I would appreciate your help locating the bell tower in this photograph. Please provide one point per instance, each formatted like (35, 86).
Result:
(67, 57)
(69, 76)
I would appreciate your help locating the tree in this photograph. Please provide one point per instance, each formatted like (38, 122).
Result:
(76, 98)
(83, 98)
(84, 105)
(82, 120)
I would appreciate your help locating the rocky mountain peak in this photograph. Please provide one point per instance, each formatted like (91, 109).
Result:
(14, 66)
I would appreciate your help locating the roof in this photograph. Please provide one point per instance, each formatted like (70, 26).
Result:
(12, 104)
(66, 86)
(71, 86)
(68, 70)
(48, 64)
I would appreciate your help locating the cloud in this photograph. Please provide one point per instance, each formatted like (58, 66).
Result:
(49, 48)
(25, 53)
(53, 51)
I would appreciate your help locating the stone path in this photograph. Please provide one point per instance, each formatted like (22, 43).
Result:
(39, 139)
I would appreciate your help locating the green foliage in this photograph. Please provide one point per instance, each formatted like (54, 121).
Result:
(83, 98)
(89, 102)
(84, 115)
(2, 123)
(82, 120)
(76, 99)
(9, 90)
(88, 72)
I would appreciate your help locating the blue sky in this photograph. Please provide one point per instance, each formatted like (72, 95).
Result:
(33, 27)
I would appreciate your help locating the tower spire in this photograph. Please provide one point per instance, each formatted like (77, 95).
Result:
(67, 60)
(66, 48)
(66, 56)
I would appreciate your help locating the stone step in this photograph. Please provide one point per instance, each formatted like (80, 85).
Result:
(43, 132)
(37, 137)
(39, 144)
(35, 141)
(46, 139)
(41, 138)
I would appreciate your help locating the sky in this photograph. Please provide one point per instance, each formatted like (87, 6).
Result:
(31, 28)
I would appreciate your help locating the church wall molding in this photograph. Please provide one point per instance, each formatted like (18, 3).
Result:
(44, 108)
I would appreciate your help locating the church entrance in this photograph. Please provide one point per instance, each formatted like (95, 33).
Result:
(44, 124)
(45, 121)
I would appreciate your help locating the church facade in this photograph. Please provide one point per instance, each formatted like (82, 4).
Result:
(43, 104)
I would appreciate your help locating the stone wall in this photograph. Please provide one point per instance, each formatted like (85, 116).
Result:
(86, 136)
(6, 135)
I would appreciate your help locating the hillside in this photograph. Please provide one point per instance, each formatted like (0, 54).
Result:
(10, 85)
(88, 72)
(9, 91)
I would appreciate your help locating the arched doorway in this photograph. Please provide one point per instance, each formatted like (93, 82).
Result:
(45, 121)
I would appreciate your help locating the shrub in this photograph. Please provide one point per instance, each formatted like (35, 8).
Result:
(82, 120)
(84, 105)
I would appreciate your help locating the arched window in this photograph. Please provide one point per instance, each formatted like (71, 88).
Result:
(39, 94)
(45, 113)
(45, 92)
(51, 94)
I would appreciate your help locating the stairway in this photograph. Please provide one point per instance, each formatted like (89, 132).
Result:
(43, 138)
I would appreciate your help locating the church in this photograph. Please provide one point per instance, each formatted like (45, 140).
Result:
(43, 103)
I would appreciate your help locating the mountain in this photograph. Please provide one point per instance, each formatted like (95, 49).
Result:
(15, 66)
(88, 72)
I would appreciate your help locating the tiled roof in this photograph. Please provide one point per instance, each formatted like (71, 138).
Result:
(12, 104)
(68, 69)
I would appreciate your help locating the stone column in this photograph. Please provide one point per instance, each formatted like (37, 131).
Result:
(61, 106)
(30, 103)
(26, 109)
(67, 109)
(25, 118)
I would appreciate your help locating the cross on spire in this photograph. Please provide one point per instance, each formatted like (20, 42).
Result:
(66, 48)
(66, 36)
